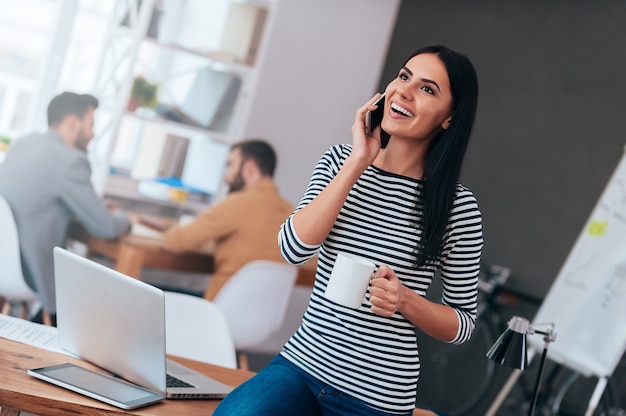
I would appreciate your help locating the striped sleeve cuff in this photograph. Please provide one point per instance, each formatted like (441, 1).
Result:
(293, 249)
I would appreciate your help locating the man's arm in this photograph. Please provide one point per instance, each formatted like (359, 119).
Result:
(217, 222)
(82, 200)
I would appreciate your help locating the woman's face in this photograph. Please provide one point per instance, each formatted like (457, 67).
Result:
(418, 104)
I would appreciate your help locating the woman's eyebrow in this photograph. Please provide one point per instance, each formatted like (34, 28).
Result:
(426, 80)
(430, 81)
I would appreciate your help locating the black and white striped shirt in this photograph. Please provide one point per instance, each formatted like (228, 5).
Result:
(370, 357)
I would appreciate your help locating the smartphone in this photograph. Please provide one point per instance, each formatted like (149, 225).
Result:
(96, 385)
(374, 118)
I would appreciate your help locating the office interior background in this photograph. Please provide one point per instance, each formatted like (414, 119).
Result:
(550, 128)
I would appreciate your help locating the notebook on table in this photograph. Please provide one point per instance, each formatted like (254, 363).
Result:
(118, 323)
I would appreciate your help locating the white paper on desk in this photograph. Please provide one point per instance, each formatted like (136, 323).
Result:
(31, 333)
(144, 231)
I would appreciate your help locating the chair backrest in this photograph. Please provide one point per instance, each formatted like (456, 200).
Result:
(254, 300)
(293, 318)
(13, 287)
(196, 328)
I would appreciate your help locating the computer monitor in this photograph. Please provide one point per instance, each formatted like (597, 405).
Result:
(211, 98)
(204, 165)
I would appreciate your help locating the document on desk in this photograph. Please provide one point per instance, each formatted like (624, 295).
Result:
(139, 229)
(31, 333)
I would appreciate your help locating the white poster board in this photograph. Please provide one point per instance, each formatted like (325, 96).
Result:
(587, 301)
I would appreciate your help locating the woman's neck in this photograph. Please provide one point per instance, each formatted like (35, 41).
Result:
(402, 158)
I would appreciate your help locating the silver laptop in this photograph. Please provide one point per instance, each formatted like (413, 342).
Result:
(118, 323)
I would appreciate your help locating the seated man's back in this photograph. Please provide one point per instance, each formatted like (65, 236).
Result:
(45, 177)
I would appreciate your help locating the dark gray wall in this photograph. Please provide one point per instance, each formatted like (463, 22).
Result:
(551, 122)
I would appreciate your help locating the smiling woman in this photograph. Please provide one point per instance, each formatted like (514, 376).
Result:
(402, 209)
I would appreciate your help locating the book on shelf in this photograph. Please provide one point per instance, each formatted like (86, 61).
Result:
(159, 155)
(243, 31)
(173, 156)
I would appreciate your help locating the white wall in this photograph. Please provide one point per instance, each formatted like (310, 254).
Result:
(321, 61)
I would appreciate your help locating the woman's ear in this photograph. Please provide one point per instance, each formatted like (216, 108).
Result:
(446, 123)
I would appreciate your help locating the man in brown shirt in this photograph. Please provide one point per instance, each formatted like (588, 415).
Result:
(244, 225)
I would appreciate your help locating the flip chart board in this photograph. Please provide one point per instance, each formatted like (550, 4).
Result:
(587, 300)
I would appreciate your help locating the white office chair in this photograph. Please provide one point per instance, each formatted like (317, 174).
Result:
(254, 301)
(298, 303)
(13, 287)
(196, 328)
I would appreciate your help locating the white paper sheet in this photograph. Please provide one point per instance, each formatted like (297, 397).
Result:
(26, 332)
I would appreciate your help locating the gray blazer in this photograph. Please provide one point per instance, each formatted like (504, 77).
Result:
(46, 183)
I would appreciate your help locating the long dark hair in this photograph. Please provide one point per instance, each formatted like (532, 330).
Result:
(445, 154)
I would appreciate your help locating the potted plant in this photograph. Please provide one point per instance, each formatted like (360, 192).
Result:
(142, 94)
(4, 143)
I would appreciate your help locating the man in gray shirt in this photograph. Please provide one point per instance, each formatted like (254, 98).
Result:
(45, 177)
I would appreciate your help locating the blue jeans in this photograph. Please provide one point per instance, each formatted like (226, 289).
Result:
(283, 389)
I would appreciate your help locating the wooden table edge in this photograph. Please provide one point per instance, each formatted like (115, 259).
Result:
(22, 392)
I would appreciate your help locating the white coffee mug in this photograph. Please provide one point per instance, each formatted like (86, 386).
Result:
(349, 280)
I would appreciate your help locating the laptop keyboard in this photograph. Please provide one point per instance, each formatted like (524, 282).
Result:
(172, 381)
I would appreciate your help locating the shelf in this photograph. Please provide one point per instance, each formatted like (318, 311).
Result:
(218, 60)
(149, 118)
(124, 190)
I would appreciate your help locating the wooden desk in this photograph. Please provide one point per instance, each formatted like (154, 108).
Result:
(21, 392)
(133, 252)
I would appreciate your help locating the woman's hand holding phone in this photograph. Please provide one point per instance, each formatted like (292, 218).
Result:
(365, 147)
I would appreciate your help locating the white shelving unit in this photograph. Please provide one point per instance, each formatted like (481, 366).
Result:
(201, 82)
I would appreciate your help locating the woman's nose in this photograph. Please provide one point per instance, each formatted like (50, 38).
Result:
(401, 93)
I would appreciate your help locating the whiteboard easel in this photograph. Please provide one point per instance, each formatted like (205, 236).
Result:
(597, 395)
(504, 392)
(587, 300)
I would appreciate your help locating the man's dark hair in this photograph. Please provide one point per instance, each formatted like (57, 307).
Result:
(261, 152)
(68, 103)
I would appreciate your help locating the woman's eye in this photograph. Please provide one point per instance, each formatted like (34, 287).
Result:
(428, 89)
(403, 76)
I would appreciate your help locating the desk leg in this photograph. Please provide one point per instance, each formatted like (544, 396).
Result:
(9, 412)
(129, 261)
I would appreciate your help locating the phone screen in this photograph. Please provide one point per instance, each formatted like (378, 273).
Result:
(374, 118)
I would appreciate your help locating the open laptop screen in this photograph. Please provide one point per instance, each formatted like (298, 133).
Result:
(111, 320)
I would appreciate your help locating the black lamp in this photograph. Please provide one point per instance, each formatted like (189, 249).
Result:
(510, 349)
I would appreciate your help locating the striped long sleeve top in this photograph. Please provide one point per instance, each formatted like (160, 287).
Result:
(367, 356)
